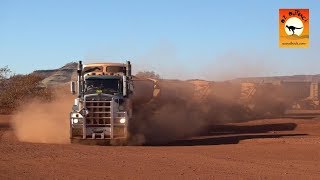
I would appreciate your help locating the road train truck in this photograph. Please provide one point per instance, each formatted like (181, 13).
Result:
(102, 108)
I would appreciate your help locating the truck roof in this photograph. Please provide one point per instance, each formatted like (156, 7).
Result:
(102, 77)
(105, 64)
(104, 69)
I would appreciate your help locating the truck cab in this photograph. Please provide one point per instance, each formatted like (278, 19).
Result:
(102, 109)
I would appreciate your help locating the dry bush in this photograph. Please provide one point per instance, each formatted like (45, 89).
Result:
(19, 89)
(148, 74)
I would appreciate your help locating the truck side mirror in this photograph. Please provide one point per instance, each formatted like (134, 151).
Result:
(124, 87)
(73, 87)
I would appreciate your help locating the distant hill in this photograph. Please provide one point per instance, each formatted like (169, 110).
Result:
(68, 72)
(58, 76)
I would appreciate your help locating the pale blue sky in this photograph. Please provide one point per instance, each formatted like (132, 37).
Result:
(178, 38)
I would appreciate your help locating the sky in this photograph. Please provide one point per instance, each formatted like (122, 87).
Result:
(183, 39)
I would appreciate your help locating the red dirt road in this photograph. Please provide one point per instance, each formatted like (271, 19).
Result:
(268, 149)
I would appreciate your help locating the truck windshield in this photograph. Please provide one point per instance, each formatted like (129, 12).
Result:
(103, 85)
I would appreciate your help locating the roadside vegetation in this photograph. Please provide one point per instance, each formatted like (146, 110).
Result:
(16, 89)
(148, 74)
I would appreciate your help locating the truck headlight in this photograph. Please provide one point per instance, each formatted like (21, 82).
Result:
(75, 121)
(122, 120)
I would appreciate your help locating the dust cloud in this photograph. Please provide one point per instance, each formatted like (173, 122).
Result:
(43, 122)
(183, 110)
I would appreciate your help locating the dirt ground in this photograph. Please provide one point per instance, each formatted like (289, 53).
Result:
(264, 149)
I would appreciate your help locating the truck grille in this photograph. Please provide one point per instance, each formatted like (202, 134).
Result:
(103, 118)
(99, 112)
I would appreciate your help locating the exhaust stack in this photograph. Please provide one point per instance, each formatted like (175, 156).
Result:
(79, 71)
(128, 69)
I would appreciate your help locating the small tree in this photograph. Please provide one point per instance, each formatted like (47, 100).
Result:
(4, 72)
(148, 74)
